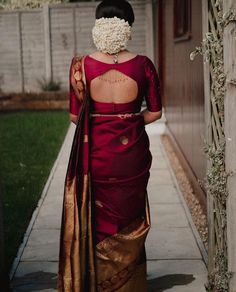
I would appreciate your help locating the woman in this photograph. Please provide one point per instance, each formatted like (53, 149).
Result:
(106, 212)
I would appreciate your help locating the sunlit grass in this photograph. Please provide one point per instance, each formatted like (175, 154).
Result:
(29, 144)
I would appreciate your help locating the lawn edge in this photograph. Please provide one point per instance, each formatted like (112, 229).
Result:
(21, 248)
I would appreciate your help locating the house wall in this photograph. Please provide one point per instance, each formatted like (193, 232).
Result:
(182, 83)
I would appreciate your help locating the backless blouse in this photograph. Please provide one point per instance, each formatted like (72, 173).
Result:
(140, 68)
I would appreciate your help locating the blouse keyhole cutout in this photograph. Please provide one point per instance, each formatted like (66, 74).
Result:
(113, 86)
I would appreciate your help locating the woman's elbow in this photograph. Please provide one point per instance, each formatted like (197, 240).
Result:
(74, 118)
(159, 114)
(156, 115)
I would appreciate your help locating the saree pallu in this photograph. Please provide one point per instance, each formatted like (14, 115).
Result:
(106, 214)
(76, 270)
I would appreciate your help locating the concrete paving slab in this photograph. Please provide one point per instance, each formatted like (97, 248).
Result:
(158, 163)
(168, 215)
(155, 143)
(58, 181)
(160, 177)
(49, 217)
(176, 275)
(56, 189)
(43, 245)
(54, 199)
(172, 243)
(162, 194)
(156, 128)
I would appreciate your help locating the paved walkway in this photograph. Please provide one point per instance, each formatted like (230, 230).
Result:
(173, 247)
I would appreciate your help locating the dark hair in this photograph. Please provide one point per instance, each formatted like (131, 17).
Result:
(119, 8)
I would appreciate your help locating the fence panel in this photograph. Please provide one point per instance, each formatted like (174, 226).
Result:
(40, 43)
(33, 48)
(10, 52)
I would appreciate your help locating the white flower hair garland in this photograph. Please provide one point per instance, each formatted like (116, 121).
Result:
(111, 35)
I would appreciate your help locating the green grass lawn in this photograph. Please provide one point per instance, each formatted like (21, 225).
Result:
(29, 144)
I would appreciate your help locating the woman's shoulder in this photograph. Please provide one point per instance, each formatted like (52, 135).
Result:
(148, 63)
(146, 58)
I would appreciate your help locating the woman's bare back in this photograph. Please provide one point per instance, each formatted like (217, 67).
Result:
(113, 85)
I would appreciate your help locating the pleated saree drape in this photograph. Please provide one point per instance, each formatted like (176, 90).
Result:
(118, 261)
(76, 258)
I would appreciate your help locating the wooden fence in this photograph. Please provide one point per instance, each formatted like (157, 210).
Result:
(40, 43)
(213, 133)
(216, 179)
(230, 134)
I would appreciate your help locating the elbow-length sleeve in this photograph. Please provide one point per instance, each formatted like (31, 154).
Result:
(74, 103)
(153, 93)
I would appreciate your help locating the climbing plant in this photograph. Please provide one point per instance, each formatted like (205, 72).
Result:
(216, 178)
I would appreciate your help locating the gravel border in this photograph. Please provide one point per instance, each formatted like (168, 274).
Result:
(196, 211)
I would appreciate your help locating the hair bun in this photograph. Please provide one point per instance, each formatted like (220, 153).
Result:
(119, 8)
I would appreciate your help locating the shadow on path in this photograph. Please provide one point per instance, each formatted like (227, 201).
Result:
(35, 282)
(40, 281)
(168, 281)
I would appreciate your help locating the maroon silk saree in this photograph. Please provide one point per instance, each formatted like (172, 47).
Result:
(104, 221)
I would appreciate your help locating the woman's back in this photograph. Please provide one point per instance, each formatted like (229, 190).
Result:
(111, 82)
(127, 81)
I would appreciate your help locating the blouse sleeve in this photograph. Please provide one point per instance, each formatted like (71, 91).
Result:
(74, 103)
(153, 93)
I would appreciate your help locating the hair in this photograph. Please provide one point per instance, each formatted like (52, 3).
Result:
(119, 8)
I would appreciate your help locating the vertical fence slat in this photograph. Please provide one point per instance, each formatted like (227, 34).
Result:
(230, 133)
(218, 273)
(208, 135)
(74, 32)
(149, 30)
(20, 52)
(47, 42)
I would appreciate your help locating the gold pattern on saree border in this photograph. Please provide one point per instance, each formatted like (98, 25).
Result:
(117, 280)
(109, 245)
(106, 247)
(137, 230)
(77, 63)
(99, 204)
(77, 74)
(124, 140)
(127, 232)
(81, 95)
(80, 85)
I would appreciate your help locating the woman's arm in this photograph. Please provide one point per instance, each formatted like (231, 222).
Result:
(150, 117)
(152, 95)
(74, 118)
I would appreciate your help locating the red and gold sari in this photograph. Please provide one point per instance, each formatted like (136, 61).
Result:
(106, 215)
